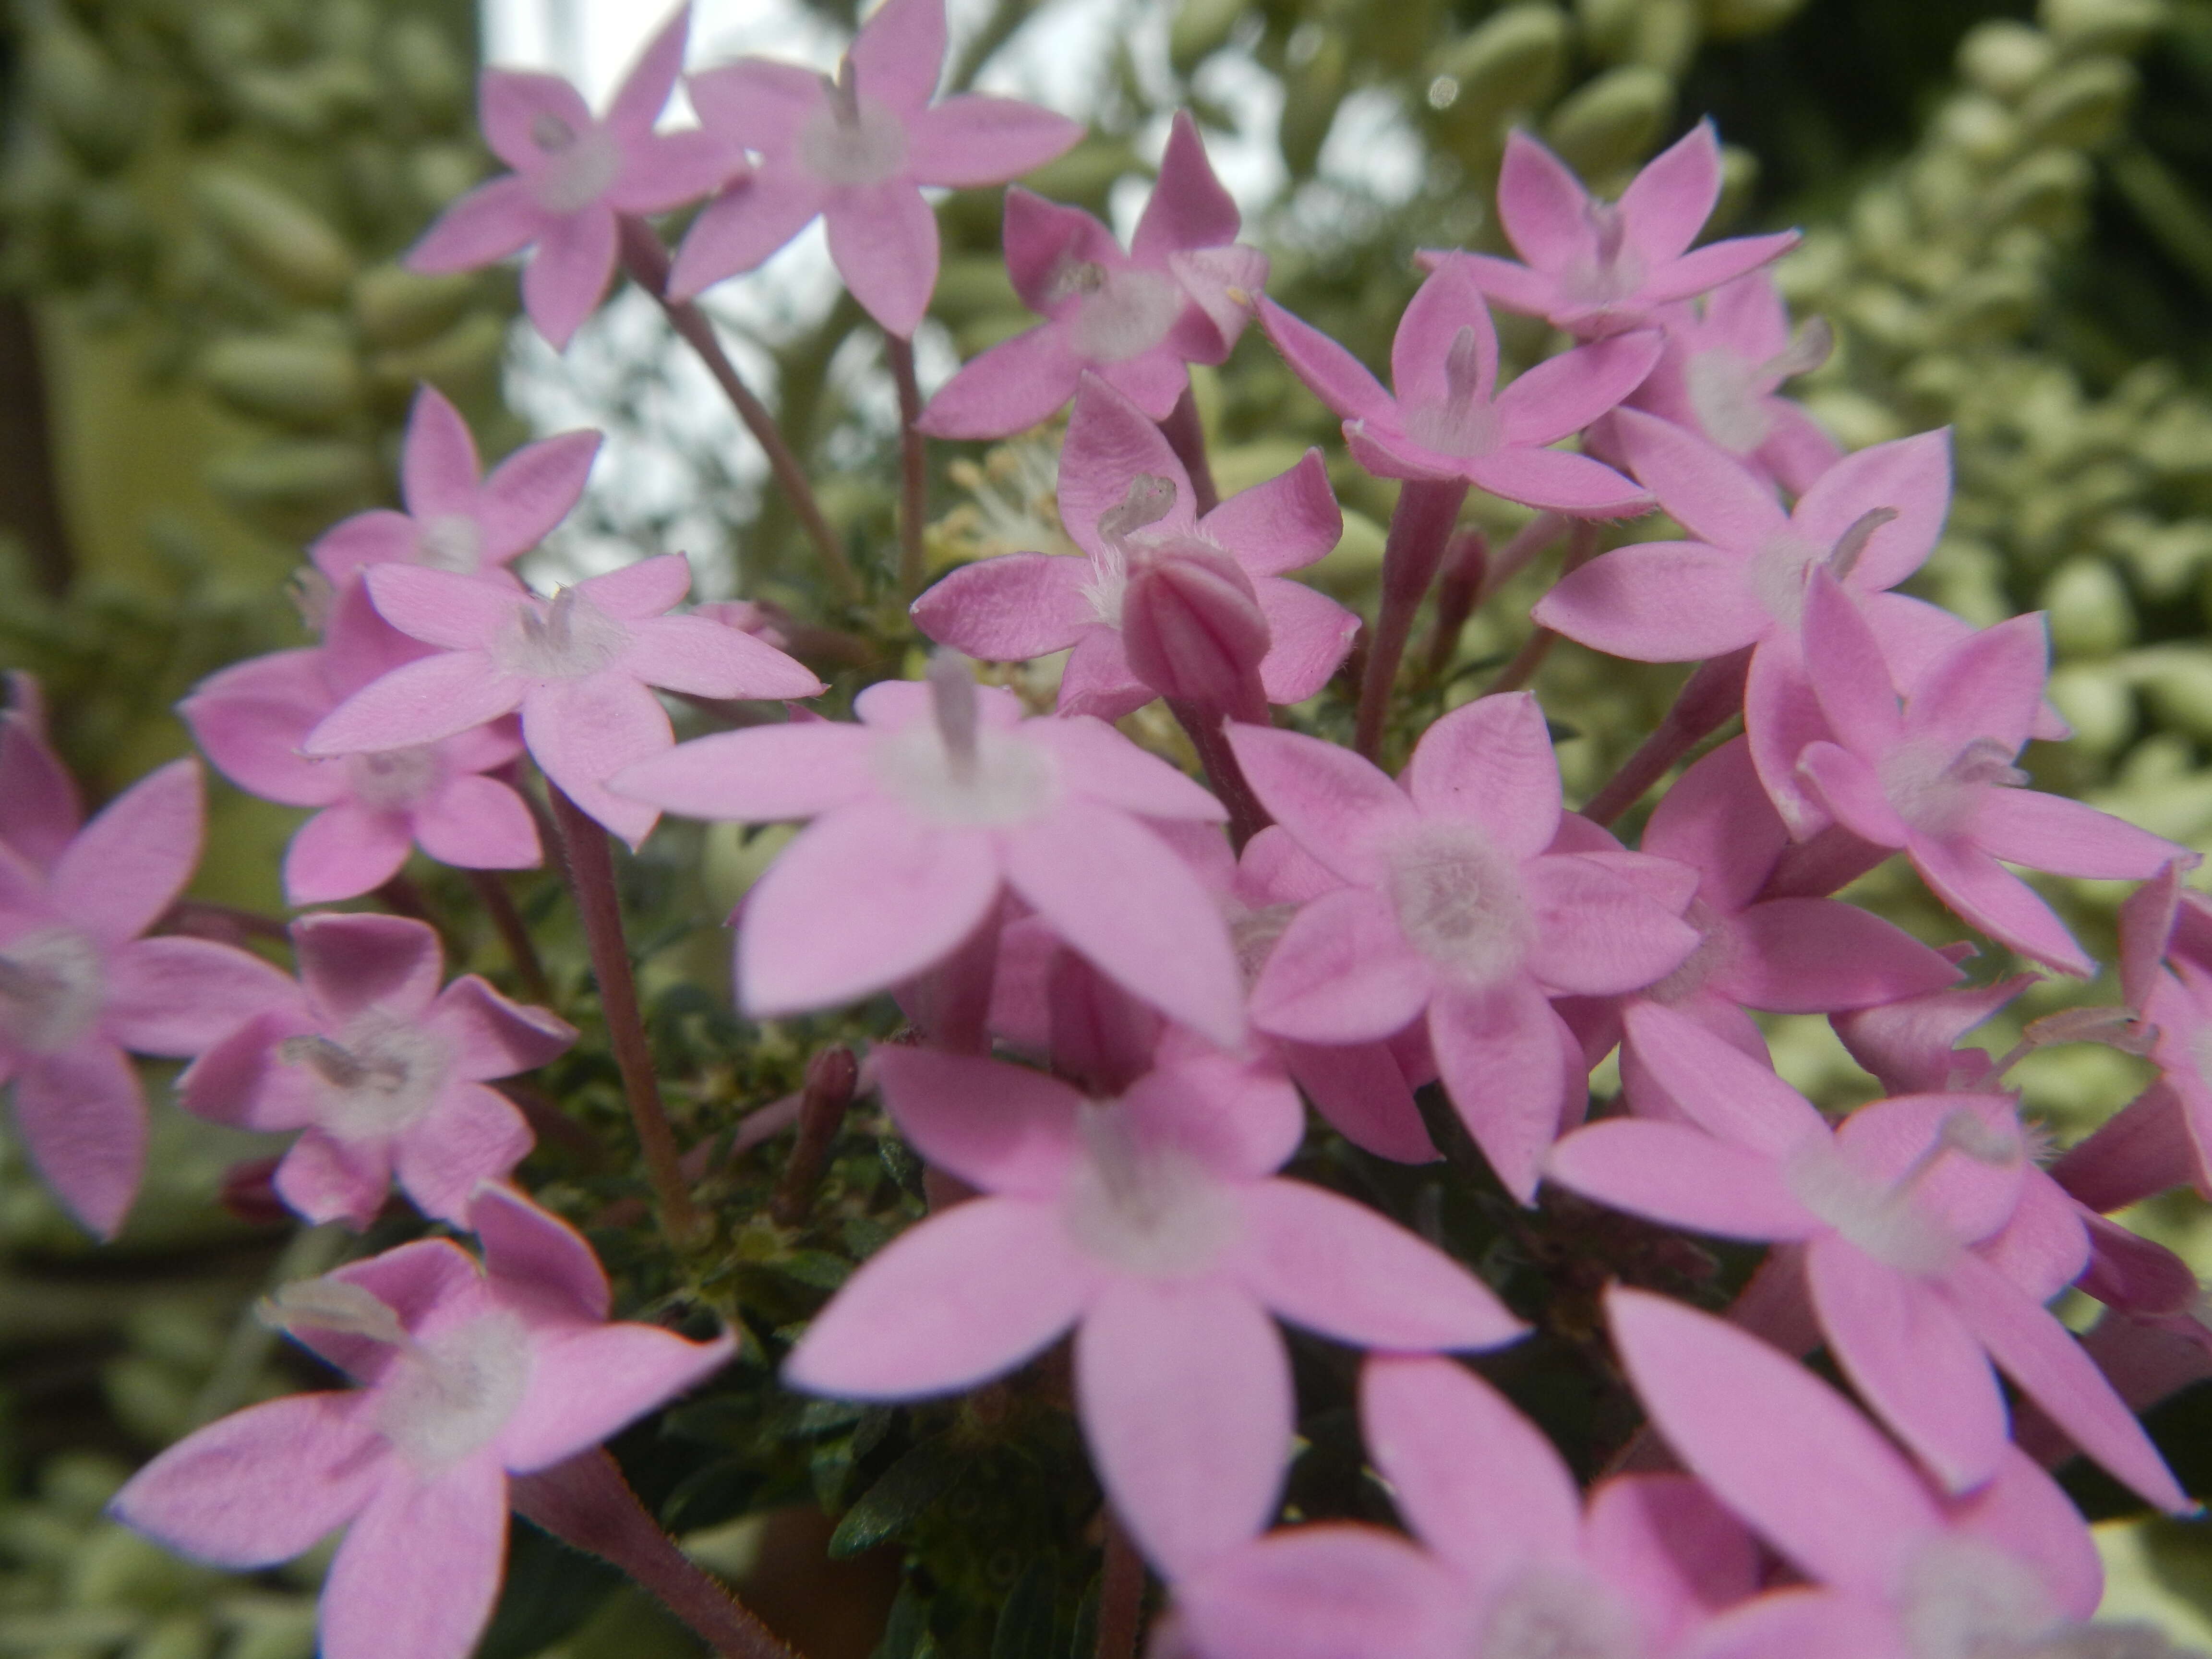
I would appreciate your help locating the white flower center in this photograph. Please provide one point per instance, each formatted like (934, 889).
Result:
(565, 637)
(579, 167)
(450, 541)
(1150, 498)
(1883, 1216)
(1779, 569)
(1458, 900)
(51, 990)
(375, 1082)
(1145, 1209)
(1549, 1614)
(851, 139)
(955, 771)
(1466, 422)
(1937, 792)
(450, 1395)
(1613, 272)
(393, 779)
(1963, 1599)
(1120, 314)
(1729, 402)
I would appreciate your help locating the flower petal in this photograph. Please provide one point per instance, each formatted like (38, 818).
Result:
(972, 140)
(1683, 1176)
(582, 732)
(470, 1134)
(498, 217)
(1009, 609)
(1333, 374)
(883, 242)
(535, 1262)
(1002, 1129)
(1490, 763)
(741, 227)
(343, 852)
(476, 823)
(127, 865)
(1502, 1054)
(176, 996)
(1006, 389)
(567, 275)
(1728, 1093)
(420, 1567)
(1189, 207)
(417, 703)
(587, 1384)
(1342, 972)
(81, 1116)
(1666, 204)
(1705, 490)
(1658, 602)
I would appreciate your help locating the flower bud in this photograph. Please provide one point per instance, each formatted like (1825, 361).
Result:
(1192, 626)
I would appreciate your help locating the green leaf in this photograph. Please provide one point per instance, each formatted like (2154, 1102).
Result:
(1027, 1627)
(906, 1628)
(909, 1487)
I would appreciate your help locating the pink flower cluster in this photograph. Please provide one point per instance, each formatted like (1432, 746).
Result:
(1116, 1012)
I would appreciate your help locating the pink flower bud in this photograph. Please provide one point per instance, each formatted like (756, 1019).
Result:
(1193, 628)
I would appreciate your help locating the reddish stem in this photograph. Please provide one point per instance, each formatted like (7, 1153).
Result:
(1120, 1594)
(1460, 585)
(913, 466)
(1713, 692)
(1581, 543)
(1420, 527)
(1186, 435)
(831, 1077)
(590, 873)
(587, 1504)
(1208, 733)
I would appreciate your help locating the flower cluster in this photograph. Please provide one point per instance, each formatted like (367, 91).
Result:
(1120, 988)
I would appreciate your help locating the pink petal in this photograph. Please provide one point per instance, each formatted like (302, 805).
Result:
(1985, 893)
(1501, 1056)
(899, 53)
(2041, 1357)
(509, 105)
(344, 851)
(249, 721)
(1490, 763)
(1543, 206)
(582, 732)
(1988, 685)
(1333, 374)
(702, 658)
(1428, 332)
(758, 776)
(1801, 955)
(38, 809)
(1097, 681)
(1556, 479)
(972, 140)
(588, 1384)
(1284, 523)
(531, 491)
(643, 93)
(1708, 267)
(1597, 933)
(1041, 238)
(537, 1263)
(1852, 791)
(1849, 672)
(476, 823)
(1667, 204)
(1342, 972)
(470, 1135)
(1362, 1092)
(1323, 1591)
(862, 900)
(209, 1496)
(240, 1081)
(420, 1567)
(1669, 1545)
(671, 170)
(967, 1295)
(1123, 898)
(1337, 1267)
(489, 1036)
(378, 537)
(496, 219)
(1704, 489)
(353, 964)
(424, 1280)
(1910, 476)
(2066, 837)
(419, 703)
(1908, 1356)
(1776, 1444)
(1184, 1391)
(1009, 609)
(1009, 388)
(1803, 1623)
(1002, 1129)
(176, 996)
(2045, 1246)
(741, 227)
(882, 238)
(1564, 394)
(1237, 1115)
(1683, 1176)
(1098, 763)
(438, 465)
(1473, 1478)
(1311, 634)
(1728, 1093)
(1109, 441)
(1189, 207)
(324, 1179)
(1334, 803)
(1658, 602)
(756, 103)
(1516, 288)
(567, 275)
(127, 865)
(1716, 819)
(637, 592)
(80, 1116)
(1781, 717)
(2028, 1516)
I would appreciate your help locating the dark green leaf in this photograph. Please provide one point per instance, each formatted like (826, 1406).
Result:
(904, 1631)
(909, 1487)
(1027, 1627)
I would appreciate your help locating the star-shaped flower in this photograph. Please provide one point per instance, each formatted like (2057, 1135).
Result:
(573, 176)
(578, 666)
(940, 798)
(1449, 420)
(38, 806)
(467, 1375)
(856, 149)
(1596, 267)
(383, 1070)
(79, 987)
(1154, 1225)
(1126, 500)
(456, 518)
(1179, 295)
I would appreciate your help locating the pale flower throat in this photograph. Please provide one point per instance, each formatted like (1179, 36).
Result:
(1458, 901)
(380, 1079)
(1780, 569)
(1119, 314)
(51, 990)
(1465, 424)
(958, 771)
(1882, 1217)
(851, 139)
(1145, 1207)
(565, 637)
(1150, 498)
(579, 169)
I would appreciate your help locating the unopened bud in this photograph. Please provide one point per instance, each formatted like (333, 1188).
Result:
(1192, 626)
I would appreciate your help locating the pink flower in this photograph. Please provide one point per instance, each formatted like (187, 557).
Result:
(456, 519)
(1126, 500)
(1181, 295)
(79, 986)
(1721, 373)
(856, 149)
(578, 666)
(1935, 776)
(1451, 420)
(253, 718)
(385, 1072)
(1889, 1209)
(1907, 1574)
(467, 1375)
(940, 798)
(1152, 1225)
(1455, 905)
(39, 807)
(1512, 1564)
(1595, 268)
(1911, 1045)
(572, 176)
